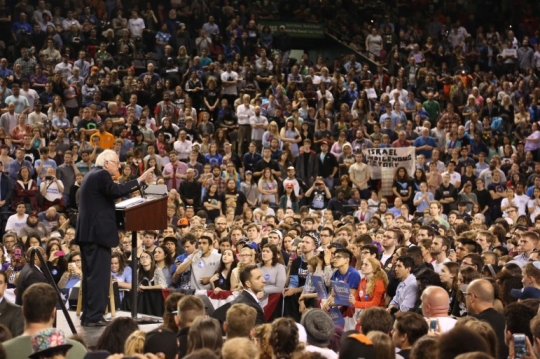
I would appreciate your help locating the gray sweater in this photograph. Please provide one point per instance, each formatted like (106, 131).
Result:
(275, 277)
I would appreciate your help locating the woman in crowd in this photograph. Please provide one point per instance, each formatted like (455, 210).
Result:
(56, 261)
(162, 274)
(73, 275)
(247, 257)
(372, 286)
(121, 273)
(273, 269)
(289, 199)
(268, 187)
(212, 203)
(250, 189)
(402, 186)
(270, 134)
(449, 278)
(284, 338)
(113, 338)
(147, 267)
(205, 333)
(25, 190)
(221, 280)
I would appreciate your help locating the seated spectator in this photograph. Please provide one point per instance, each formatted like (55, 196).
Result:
(121, 273)
(51, 190)
(204, 333)
(113, 338)
(319, 329)
(56, 260)
(461, 340)
(239, 348)
(189, 308)
(17, 263)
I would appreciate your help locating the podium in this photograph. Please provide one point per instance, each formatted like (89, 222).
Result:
(146, 214)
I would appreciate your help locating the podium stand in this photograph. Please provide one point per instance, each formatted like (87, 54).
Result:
(150, 214)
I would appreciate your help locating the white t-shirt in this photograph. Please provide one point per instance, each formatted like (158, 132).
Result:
(438, 266)
(445, 324)
(327, 353)
(14, 223)
(454, 177)
(136, 27)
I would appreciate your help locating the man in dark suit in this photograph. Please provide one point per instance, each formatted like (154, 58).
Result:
(30, 274)
(97, 232)
(253, 282)
(10, 314)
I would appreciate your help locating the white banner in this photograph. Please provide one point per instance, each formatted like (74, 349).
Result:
(384, 161)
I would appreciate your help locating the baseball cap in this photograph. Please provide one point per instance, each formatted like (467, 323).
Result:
(161, 340)
(290, 168)
(526, 293)
(169, 58)
(324, 143)
(182, 222)
(289, 185)
(47, 341)
(248, 172)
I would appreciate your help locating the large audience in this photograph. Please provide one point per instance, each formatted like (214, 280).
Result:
(281, 241)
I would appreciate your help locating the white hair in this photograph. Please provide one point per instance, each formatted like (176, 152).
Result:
(106, 155)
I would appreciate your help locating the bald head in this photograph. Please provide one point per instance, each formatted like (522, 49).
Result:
(482, 290)
(435, 302)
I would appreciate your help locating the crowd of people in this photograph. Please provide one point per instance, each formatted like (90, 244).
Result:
(269, 192)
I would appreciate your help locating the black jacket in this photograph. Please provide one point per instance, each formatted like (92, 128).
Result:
(248, 299)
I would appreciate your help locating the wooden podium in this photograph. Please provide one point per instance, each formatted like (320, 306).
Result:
(148, 215)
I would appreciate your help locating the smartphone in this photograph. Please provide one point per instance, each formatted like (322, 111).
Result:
(294, 256)
(452, 251)
(520, 346)
(433, 325)
(60, 253)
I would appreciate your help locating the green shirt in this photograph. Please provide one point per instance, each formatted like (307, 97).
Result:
(433, 109)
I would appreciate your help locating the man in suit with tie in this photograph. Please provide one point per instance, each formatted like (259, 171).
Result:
(10, 314)
(30, 274)
(97, 232)
(253, 282)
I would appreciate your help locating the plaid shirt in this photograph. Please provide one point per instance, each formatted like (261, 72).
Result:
(28, 66)
(448, 120)
(221, 183)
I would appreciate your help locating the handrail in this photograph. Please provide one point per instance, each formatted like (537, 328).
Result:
(372, 64)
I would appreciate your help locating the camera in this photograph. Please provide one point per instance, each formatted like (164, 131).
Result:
(49, 178)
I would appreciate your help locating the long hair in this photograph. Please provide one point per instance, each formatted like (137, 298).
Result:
(276, 254)
(121, 261)
(150, 274)
(135, 343)
(205, 333)
(168, 255)
(233, 264)
(453, 267)
(262, 334)
(378, 274)
(115, 335)
(284, 338)
(384, 346)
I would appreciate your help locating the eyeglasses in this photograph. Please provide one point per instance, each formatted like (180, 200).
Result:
(246, 255)
(221, 224)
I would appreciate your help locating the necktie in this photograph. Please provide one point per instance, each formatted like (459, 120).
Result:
(174, 176)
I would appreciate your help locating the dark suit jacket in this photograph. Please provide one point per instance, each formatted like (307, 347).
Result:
(29, 275)
(248, 299)
(11, 316)
(496, 320)
(97, 215)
